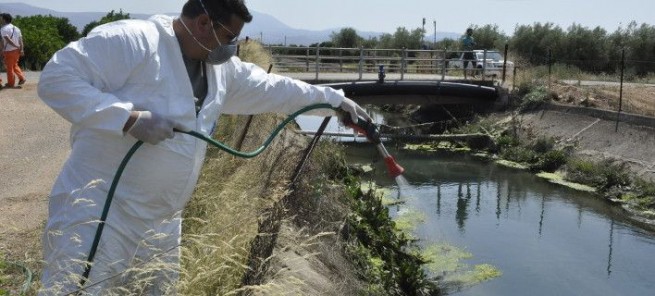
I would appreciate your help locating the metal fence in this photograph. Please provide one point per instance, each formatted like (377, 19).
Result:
(367, 63)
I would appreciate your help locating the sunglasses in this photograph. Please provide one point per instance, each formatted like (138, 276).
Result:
(233, 37)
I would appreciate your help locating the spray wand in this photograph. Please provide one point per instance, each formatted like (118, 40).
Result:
(372, 133)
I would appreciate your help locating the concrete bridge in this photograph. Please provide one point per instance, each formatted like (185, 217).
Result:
(417, 92)
(414, 89)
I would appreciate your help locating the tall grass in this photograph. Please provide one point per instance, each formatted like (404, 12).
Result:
(221, 219)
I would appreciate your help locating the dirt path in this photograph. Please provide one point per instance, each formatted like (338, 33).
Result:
(33, 146)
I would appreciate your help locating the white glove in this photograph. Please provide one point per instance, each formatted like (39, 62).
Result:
(350, 107)
(152, 128)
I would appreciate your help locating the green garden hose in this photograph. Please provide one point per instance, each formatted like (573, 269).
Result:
(135, 147)
(267, 142)
(28, 276)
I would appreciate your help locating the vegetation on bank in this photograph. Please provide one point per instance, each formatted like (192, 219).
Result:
(391, 263)
(611, 178)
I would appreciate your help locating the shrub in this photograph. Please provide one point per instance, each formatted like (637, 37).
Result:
(535, 98)
(550, 161)
(644, 188)
(519, 154)
(506, 141)
(543, 145)
(603, 175)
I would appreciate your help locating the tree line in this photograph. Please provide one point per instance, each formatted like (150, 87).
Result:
(591, 50)
(43, 35)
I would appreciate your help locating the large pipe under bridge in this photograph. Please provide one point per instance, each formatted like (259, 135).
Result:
(416, 92)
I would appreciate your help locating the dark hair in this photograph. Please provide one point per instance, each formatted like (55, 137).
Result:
(6, 17)
(218, 10)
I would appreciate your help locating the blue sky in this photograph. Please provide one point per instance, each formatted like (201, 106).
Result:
(387, 15)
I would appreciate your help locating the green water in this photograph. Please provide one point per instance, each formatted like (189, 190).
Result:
(497, 231)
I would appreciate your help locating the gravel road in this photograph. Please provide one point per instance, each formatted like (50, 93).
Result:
(33, 147)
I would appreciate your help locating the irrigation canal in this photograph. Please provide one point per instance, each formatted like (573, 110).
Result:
(542, 238)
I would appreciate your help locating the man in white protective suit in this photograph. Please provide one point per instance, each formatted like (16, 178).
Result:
(136, 80)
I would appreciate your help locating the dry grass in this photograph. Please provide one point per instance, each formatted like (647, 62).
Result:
(638, 98)
(222, 218)
(254, 52)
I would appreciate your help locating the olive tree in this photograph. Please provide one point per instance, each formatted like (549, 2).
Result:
(586, 48)
(43, 36)
(534, 42)
(489, 37)
(639, 43)
(110, 17)
(347, 37)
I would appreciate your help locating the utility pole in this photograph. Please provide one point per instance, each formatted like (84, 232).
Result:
(423, 32)
(435, 33)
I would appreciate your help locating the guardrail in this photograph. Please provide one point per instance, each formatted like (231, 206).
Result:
(361, 61)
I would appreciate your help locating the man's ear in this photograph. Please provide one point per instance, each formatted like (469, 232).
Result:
(204, 24)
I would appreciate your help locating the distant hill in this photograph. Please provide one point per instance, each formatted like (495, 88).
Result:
(264, 26)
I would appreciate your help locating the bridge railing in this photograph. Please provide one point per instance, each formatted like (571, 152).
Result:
(365, 61)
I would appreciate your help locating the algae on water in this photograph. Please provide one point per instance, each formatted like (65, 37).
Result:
(446, 263)
(558, 179)
(511, 164)
(408, 219)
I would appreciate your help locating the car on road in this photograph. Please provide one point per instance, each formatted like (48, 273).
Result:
(492, 63)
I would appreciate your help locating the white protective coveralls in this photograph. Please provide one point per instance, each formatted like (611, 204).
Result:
(94, 83)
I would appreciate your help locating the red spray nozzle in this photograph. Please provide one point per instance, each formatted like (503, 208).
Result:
(393, 168)
(372, 134)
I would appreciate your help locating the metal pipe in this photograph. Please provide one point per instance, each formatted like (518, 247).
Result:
(618, 114)
(505, 63)
(318, 60)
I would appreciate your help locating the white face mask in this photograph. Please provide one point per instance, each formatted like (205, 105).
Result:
(221, 54)
(218, 55)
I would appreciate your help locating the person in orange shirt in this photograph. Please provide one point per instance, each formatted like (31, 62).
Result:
(12, 50)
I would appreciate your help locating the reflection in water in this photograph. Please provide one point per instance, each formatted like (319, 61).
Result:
(611, 247)
(463, 204)
(438, 199)
(462, 208)
(498, 211)
(543, 212)
(477, 200)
